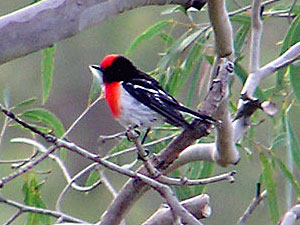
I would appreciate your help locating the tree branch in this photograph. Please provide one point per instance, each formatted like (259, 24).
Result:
(290, 216)
(49, 21)
(25, 208)
(197, 206)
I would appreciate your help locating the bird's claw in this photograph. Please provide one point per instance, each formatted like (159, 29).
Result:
(132, 134)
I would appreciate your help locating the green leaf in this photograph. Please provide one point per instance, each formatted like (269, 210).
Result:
(47, 71)
(173, 82)
(6, 97)
(194, 82)
(240, 37)
(92, 178)
(289, 176)
(206, 171)
(181, 191)
(32, 197)
(96, 88)
(148, 34)
(294, 75)
(47, 118)
(25, 103)
(292, 142)
(243, 19)
(291, 38)
(267, 175)
(168, 39)
(179, 46)
(174, 9)
(189, 62)
(279, 140)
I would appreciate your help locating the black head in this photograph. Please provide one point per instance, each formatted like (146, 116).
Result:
(117, 68)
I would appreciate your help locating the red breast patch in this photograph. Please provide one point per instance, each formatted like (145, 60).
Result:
(112, 95)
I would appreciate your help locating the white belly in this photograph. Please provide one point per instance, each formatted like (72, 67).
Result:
(136, 114)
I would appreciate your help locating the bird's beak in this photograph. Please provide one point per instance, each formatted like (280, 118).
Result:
(97, 72)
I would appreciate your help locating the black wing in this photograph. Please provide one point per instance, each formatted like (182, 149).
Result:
(150, 93)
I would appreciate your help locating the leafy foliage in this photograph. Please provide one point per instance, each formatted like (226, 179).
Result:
(183, 69)
(32, 197)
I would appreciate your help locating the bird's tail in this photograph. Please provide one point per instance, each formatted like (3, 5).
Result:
(202, 117)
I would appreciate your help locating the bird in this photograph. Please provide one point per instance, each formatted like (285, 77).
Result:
(136, 99)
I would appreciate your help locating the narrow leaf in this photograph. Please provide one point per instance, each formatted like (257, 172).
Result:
(180, 45)
(291, 38)
(46, 117)
(25, 103)
(289, 176)
(292, 142)
(194, 83)
(96, 88)
(294, 75)
(206, 171)
(240, 37)
(6, 97)
(47, 71)
(243, 19)
(189, 63)
(148, 34)
(267, 175)
(279, 140)
(92, 178)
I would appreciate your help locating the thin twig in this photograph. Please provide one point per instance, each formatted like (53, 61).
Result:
(29, 166)
(24, 208)
(82, 115)
(188, 182)
(255, 202)
(5, 123)
(14, 217)
(239, 11)
(290, 216)
(77, 176)
(168, 195)
(125, 151)
(110, 188)
(143, 154)
(108, 184)
(256, 34)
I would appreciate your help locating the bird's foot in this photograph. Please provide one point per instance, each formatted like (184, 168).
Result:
(132, 133)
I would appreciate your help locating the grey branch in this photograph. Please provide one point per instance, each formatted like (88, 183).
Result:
(255, 202)
(47, 22)
(197, 206)
(25, 208)
(290, 216)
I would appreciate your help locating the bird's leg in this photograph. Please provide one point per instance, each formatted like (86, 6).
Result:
(132, 132)
(145, 135)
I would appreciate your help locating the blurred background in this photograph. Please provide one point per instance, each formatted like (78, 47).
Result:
(21, 78)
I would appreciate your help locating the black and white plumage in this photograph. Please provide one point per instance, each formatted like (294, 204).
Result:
(138, 100)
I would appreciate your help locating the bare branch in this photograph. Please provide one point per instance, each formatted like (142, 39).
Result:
(222, 27)
(24, 208)
(198, 206)
(255, 202)
(187, 182)
(77, 176)
(256, 34)
(47, 22)
(291, 216)
(176, 208)
(14, 217)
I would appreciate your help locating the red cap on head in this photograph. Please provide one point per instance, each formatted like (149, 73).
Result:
(108, 60)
